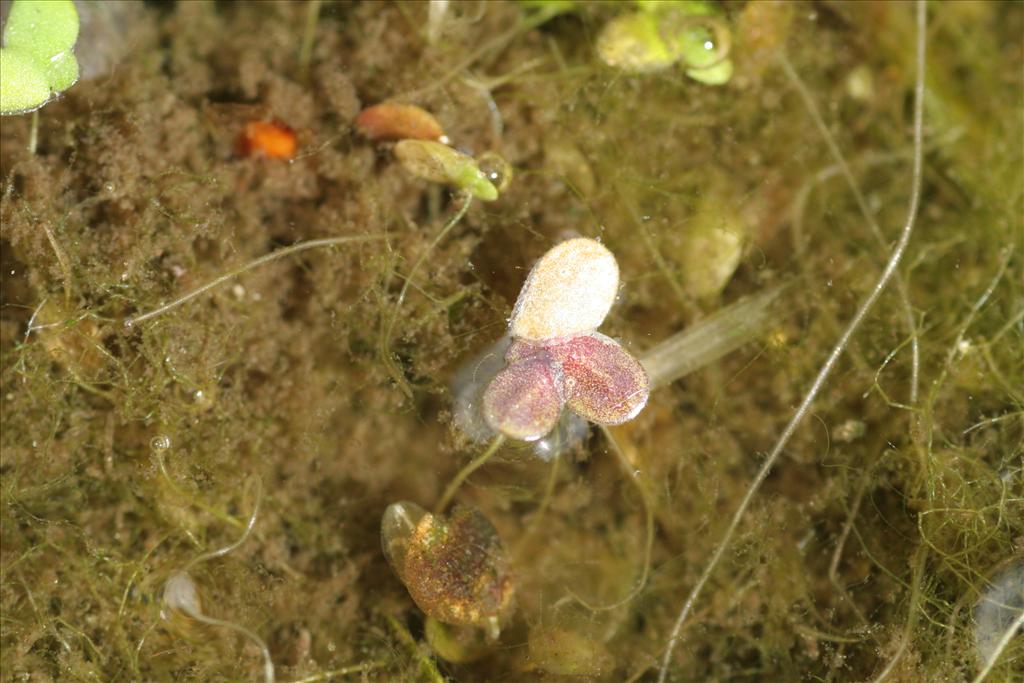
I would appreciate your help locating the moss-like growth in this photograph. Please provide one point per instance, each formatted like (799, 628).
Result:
(872, 546)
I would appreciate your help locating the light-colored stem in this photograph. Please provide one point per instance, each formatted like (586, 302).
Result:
(629, 469)
(222, 516)
(1007, 636)
(273, 256)
(428, 667)
(538, 515)
(221, 552)
(473, 466)
(193, 611)
(869, 217)
(711, 338)
(308, 36)
(268, 663)
(62, 261)
(837, 351)
(33, 133)
(344, 671)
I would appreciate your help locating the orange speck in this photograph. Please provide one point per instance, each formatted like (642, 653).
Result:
(270, 138)
(390, 121)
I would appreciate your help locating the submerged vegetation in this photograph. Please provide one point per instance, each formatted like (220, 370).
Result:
(300, 320)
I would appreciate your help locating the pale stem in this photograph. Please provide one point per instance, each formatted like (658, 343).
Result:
(711, 338)
(308, 36)
(345, 671)
(1007, 636)
(62, 261)
(268, 663)
(473, 466)
(33, 133)
(221, 552)
(267, 258)
(862, 205)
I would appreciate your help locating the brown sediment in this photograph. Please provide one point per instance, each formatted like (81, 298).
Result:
(278, 372)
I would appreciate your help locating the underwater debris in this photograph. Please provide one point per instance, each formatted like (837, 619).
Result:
(393, 121)
(567, 652)
(711, 245)
(454, 568)
(565, 159)
(556, 357)
(91, 533)
(75, 343)
(761, 29)
(272, 139)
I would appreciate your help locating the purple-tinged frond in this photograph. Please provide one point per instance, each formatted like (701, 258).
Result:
(524, 400)
(603, 382)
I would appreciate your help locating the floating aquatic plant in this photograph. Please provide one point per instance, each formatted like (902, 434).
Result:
(665, 33)
(454, 567)
(557, 358)
(395, 121)
(439, 163)
(37, 60)
(288, 353)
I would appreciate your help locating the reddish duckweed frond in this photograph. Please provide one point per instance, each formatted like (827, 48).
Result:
(392, 121)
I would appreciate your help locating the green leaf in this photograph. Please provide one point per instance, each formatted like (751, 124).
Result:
(719, 74)
(62, 72)
(44, 28)
(38, 56)
(23, 86)
(632, 42)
